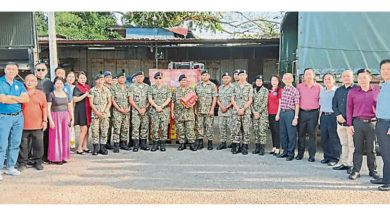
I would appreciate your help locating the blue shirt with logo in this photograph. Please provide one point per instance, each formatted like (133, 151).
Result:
(16, 89)
(383, 102)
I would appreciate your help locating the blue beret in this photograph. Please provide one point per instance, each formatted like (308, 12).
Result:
(129, 78)
(139, 73)
(182, 76)
(236, 71)
(107, 73)
(204, 72)
(120, 75)
(158, 74)
(260, 76)
(224, 74)
(98, 76)
(241, 71)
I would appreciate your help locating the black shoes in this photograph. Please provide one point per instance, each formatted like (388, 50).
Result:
(124, 146)
(192, 147)
(341, 167)
(244, 149)
(385, 187)
(349, 170)
(262, 149)
(354, 175)
(257, 149)
(374, 175)
(282, 155)
(289, 158)
(222, 146)
(136, 145)
(116, 148)
(332, 163)
(103, 150)
(299, 157)
(95, 149)
(311, 159)
(181, 147)
(324, 161)
(38, 166)
(209, 145)
(161, 144)
(377, 181)
(155, 146)
(109, 146)
(143, 145)
(200, 144)
(130, 144)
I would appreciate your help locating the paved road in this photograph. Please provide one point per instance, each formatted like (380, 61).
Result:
(189, 177)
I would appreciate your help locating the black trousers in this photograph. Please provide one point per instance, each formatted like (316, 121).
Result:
(275, 131)
(382, 128)
(35, 137)
(45, 144)
(363, 140)
(307, 124)
(330, 141)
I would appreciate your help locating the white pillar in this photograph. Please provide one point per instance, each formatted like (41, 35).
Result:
(52, 44)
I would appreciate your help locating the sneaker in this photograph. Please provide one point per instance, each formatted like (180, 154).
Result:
(13, 172)
(38, 166)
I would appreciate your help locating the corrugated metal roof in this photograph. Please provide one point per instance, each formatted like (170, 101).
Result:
(16, 29)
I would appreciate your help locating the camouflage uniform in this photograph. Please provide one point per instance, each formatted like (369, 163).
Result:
(159, 119)
(205, 93)
(184, 117)
(109, 131)
(100, 103)
(224, 119)
(241, 96)
(140, 123)
(120, 121)
(260, 105)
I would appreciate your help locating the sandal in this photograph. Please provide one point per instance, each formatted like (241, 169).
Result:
(81, 153)
(87, 151)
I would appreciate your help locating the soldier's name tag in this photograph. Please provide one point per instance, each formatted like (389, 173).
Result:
(136, 98)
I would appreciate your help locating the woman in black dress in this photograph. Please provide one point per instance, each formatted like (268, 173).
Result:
(82, 112)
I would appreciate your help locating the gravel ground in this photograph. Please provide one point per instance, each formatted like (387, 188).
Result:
(202, 177)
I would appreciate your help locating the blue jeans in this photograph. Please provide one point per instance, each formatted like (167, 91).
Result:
(11, 129)
(288, 133)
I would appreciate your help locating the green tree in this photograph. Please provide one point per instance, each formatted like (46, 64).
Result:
(81, 25)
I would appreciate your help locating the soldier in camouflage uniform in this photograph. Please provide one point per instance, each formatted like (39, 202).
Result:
(140, 118)
(100, 102)
(159, 97)
(234, 83)
(184, 116)
(242, 100)
(225, 109)
(120, 113)
(108, 83)
(130, 145)
(260, 115)
(207, 98)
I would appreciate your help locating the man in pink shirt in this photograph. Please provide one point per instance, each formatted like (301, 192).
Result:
(309, 92)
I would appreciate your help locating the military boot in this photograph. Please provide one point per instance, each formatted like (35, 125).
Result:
(182, 146)
(124, 146)
(257, 150)
(103, 149)
(192, 147)
(200, 145)
(143, 145)
(136, 145)
(95, 149)
(262, 149)
(230, 145)
(109, 146)
(221, 146)
(116, 148)
(209, 144)
(244, 149)
(196, 143)
(155, 146)
(162, 145)
(235, 148)
(239, 147)
(130, 144)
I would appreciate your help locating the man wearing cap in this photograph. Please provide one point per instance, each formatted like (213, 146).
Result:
(120, 113)
(140, 118)
(108, 82)
(234, 83)
(159, 97)
(225, 109)
(242, 99)
(204, 110)
(259, 109)
(12, 95)
(100, 102)
(183, 115)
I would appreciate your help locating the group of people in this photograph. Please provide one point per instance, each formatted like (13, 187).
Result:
(37, 120)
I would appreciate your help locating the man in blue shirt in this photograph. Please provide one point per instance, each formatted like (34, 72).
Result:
(12, 94)
(382, 129)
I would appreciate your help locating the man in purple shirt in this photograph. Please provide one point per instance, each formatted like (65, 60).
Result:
(309, 92)
(361, 109)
